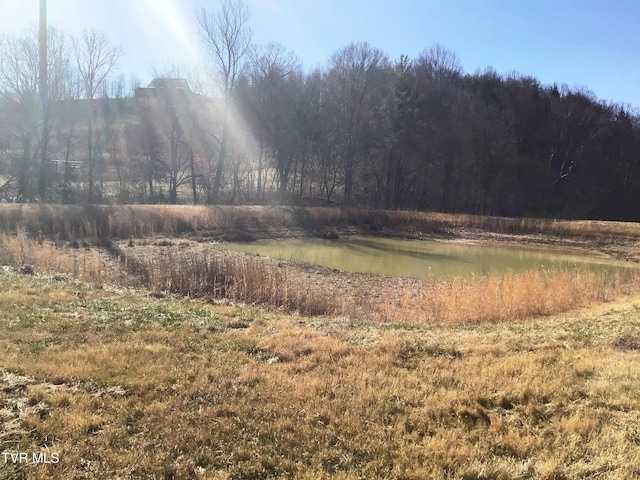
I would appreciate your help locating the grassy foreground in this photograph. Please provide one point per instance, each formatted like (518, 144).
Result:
(122, 385)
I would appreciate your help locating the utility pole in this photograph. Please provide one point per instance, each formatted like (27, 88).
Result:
(42, 50)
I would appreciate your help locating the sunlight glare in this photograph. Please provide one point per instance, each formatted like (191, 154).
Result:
(170, 20)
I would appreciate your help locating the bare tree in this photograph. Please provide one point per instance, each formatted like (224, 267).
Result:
(439, 63)
(96, 59)
(273, 61)
(19, 85)
(226, 38)
(144, 144)
(355, 75)
(278, 85)
(176, 155)
(442, 116)
(180, 127)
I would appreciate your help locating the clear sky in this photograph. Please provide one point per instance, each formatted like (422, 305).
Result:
(588, 43)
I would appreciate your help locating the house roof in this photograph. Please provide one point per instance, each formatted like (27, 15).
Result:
(172, 83)
(162, 87)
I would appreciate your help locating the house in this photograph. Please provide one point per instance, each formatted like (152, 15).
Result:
(164, 87)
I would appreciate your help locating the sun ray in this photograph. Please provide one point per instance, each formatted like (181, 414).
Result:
(170, 19)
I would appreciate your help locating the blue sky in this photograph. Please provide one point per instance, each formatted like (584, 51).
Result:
(589, 43)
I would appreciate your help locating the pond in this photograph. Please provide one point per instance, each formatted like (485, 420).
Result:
(422, 259)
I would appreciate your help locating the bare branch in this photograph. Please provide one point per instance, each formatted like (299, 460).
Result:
(96, 58)
(226, 38)
(439, 62)
(273, 61)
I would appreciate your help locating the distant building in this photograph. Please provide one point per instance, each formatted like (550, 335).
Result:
(164, 87)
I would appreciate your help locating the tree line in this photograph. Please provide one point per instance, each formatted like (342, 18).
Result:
(364, 130)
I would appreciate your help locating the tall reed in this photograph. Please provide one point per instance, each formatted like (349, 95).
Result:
(242, 279)
(252, 280)
(68, 222)
(499, 297)
(47, 257)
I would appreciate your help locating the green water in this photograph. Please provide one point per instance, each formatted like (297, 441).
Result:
(423, 259)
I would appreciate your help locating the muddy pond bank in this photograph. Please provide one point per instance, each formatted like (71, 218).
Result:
(364, 295)
(618, 247)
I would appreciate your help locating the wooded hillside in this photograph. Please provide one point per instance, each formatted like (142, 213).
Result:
(364, 130)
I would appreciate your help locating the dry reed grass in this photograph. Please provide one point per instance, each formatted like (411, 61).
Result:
(56, 222)
(71, 222)
(255, 280)
(428, 222)
(64, 222)
(47, 257)
(500, 297)
(242, 278)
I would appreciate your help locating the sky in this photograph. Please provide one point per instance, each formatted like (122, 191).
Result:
(587, 44)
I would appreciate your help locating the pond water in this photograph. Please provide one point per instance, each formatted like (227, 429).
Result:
(422, 259)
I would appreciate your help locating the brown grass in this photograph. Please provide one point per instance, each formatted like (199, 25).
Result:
(442, 380)
(500, 297)
(70, 222)
(47, 257)
(258, 281)
(427, 222)
(243, 279)
(64, 222)
(125, 386)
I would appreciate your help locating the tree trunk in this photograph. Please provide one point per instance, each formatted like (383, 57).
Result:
(194, 183)
(222, 158)
(23, 178)
(260, 197)
(348, 184)
(173, 191)
(91, 157)
(151, 188)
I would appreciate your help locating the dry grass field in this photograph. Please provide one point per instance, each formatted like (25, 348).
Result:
(119, 384)
(271, 370)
